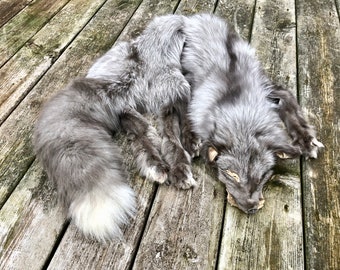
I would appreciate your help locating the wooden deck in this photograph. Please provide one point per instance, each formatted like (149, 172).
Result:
(46, 43)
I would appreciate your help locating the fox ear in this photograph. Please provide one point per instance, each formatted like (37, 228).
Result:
(212, 154)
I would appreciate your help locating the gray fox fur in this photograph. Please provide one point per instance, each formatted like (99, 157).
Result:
(210, 95)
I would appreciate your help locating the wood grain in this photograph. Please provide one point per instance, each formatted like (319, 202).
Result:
(30, 222)
(10, 8)
(319, 92)
(239, 13)
(271, 239)
(22, 27)
(37, 55)
(184, 227)
(188, 7)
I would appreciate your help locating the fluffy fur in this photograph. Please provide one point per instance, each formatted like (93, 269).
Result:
(208, 90)
(238, 111)
(73, 135)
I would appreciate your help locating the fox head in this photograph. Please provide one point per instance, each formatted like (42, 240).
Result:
(245, 167)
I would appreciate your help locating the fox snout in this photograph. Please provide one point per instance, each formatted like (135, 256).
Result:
(247, 205)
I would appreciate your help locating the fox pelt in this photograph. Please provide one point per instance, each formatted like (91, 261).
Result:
(211, 97)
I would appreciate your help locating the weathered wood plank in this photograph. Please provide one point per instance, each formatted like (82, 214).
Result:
(22, 71)
(25, 24)
(274, 29)
(76, 252)
(19, 75)
(266, 240)
(184, 226)
(272, 238)
(187, 7)
(30, 222)
(319, 89)
(9, 8)
(239, 13)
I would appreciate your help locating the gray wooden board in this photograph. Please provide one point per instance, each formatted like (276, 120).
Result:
(183, 228)
(271, 239)
(239, 13)
(22, 27)
(30, 222)
(319, 92)
(37, 55)
(9, 9)
(188, 7)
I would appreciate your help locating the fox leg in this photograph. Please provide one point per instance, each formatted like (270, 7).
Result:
(190, 141)
(145, 145)
(173, 152)
(297, 126)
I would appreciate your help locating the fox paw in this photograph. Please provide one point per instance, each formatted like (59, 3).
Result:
(195, 147)
(181, 176)
(192, 145)
(157, 173)
(311, 147)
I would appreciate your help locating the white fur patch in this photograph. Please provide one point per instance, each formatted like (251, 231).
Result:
(100, 212)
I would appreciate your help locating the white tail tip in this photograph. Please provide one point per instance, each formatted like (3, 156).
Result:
(101, 212)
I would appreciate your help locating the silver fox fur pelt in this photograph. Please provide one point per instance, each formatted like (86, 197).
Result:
(211, 97)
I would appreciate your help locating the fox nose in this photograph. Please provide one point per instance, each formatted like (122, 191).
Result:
(252, 211)
(255, 205)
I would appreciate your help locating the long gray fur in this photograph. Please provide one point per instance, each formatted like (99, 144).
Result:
(205, 84)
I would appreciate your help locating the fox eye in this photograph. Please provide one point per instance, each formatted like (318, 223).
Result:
(233, 175)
